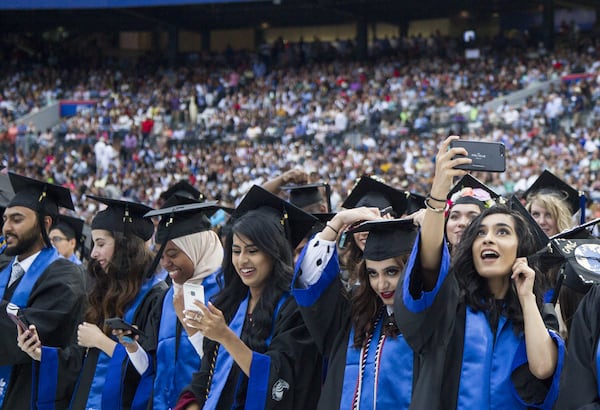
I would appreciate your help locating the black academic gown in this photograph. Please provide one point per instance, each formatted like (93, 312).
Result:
(435, 326)
(294, 363)
(328, 321)
(55, 306)
(72, 358)
(579, 387)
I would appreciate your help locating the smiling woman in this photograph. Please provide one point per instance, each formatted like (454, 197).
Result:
(480, 315)
(260, 354)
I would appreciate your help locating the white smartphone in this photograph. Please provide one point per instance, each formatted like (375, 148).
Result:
(192, 292)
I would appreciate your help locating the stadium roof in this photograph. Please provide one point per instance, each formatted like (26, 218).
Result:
(222, 14)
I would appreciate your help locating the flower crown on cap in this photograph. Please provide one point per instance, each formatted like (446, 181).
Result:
(481, 195)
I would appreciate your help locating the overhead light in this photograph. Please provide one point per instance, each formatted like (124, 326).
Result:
(464, 14)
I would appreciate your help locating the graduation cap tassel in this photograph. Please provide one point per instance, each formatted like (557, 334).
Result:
(582, 201)
(42, 195)
(163, 245)
(559, 282)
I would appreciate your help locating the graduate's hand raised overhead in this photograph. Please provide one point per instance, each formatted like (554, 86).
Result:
(30, 343)
(345, 219)
(444, 167)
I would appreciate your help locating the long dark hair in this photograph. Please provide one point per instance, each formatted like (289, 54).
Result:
(367, 306)
(475, 287)
(111, 290)
(264, 229)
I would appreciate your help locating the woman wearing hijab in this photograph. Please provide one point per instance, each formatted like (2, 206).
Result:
(192, 254)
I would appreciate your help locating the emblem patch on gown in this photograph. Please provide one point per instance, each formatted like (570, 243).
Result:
(2, 386)
(279, 389)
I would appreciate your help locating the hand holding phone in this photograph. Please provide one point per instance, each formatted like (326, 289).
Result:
(485, 156)
(192, 292)
(117, 323)
(12, 311)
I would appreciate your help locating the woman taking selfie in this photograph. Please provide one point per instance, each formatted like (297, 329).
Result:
(477, 323)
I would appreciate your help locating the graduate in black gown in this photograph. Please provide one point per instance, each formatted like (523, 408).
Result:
(119, 285)
(192, 254)
(370, 364)
(258, 353)
(50, 293)
(476, 323)
(580, 383)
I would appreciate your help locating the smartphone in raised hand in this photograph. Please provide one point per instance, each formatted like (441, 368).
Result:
(485, 156)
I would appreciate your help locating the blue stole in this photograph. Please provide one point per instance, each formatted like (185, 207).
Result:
(224, 363)
(175, 363)
(387, 375)
(21, 296)
(598, 367)
(75, 259)
(487, 364)
(106, 389)
(2, 243)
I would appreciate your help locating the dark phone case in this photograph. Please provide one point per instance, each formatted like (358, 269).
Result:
(119, 324)
(486, 156)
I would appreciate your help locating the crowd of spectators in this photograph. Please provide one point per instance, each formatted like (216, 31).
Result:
(227, 121)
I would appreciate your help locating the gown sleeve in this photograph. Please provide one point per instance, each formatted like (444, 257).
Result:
(425, 318)
(324, 304)
(579, 382)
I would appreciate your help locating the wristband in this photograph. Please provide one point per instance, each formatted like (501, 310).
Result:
(332, 228)
(436, 210)
(435, 199)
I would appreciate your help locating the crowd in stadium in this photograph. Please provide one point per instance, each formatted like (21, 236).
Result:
(228, 120)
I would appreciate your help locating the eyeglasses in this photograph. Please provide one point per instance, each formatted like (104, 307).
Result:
(56, 239)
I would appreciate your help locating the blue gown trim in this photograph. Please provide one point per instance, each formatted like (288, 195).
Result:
(387, 376)
(50, 374)
(257, 381)
(175, 366)
(521, 359)
(20, 297)
(425, 299)
(309, 296)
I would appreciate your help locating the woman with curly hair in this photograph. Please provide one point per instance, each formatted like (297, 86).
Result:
(258, 353)
(476, 323)
(369, 363)
(119, 285)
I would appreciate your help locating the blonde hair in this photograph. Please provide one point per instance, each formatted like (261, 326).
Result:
(555, 205)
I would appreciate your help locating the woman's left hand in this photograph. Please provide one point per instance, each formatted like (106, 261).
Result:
(209, 321)
(127, 339)
(523, 276)
(89, 335)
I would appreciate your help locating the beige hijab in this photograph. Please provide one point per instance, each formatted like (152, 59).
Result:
(205, 251)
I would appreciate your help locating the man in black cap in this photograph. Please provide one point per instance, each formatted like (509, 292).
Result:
(48, 289)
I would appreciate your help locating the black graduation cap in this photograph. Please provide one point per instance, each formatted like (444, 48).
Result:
(297, 222)
(547, 182)
(372, 193)
(42, 197)
(540, 237)
(470, 190)
(183, 188)
(72, 228)
(6, 191)
(388, 238)
(414, 202)
(305, 195)
(123, 216)
(183, 219)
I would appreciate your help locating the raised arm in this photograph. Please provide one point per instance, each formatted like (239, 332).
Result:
(432, 226)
